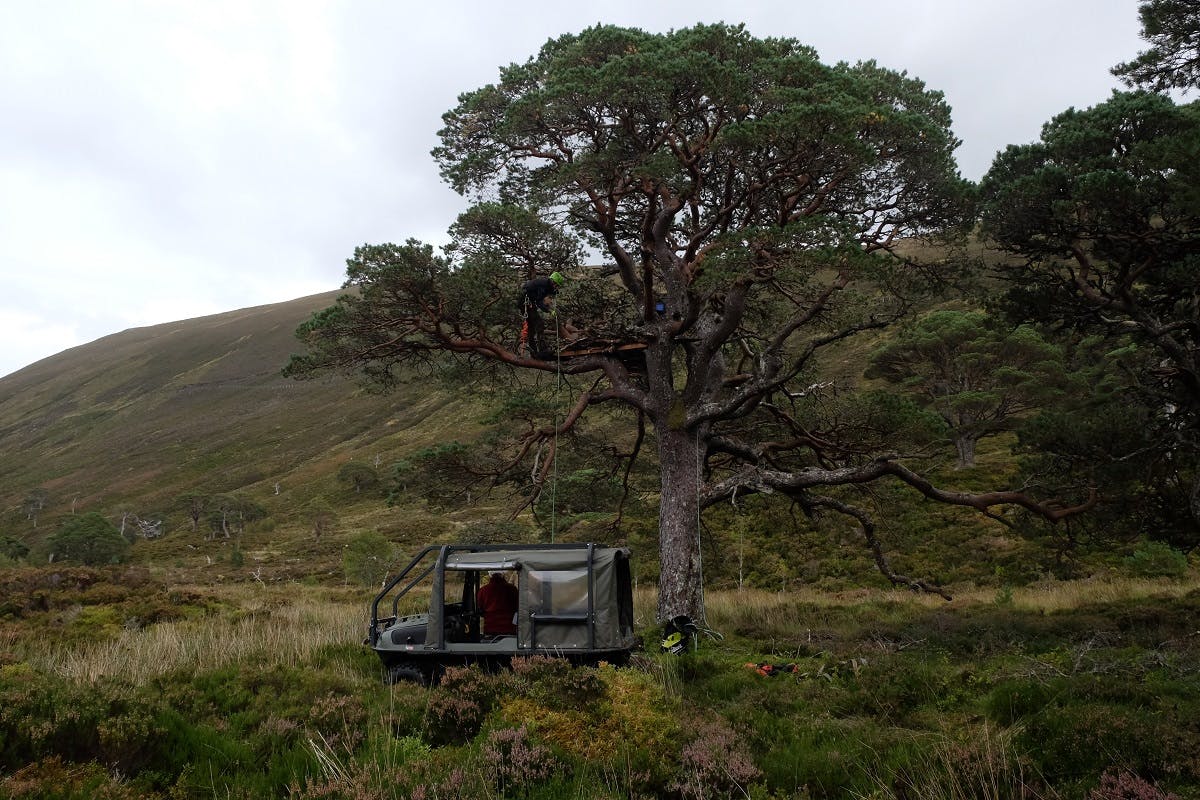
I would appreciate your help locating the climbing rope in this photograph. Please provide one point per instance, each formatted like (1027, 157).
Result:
(703, 626)
(557, 397)
(699, 547)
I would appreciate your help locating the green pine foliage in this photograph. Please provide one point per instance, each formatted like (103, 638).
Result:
(89, 539)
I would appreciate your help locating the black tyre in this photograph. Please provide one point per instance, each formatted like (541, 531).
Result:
(406, 672)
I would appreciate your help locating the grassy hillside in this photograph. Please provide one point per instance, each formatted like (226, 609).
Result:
(132, 421)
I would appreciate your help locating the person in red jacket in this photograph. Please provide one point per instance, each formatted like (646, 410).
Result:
(497, 599)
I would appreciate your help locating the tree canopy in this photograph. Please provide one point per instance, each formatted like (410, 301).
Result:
(1103, 214)
(977, 375)
(751, 203)
(1172, 27)
(90, 539)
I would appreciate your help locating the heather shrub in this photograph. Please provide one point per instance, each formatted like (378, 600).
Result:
(1016, 699)
(129, 737)
(514, 762)
(716, 762)
(982, 764)
(554, 682)
(632, 729)
(894, 687)
(1127, 786)
(339, 719)
(53, 778)
(43, 717)
(459, 705)
(459, 783)
(1076, 740)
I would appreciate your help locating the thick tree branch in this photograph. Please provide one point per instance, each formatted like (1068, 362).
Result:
(867, 526)
(758, 480)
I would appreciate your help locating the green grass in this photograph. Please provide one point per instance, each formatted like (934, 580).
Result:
(253, 690)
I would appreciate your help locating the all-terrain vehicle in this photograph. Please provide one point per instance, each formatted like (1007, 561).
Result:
(572, 601)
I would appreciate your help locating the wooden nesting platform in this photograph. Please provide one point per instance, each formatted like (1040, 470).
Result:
(629, 352)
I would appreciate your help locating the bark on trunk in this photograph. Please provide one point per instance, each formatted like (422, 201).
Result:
(966, 452)
(679, 589)
(1194, 500)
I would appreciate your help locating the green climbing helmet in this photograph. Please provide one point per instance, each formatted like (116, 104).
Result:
(558, 278)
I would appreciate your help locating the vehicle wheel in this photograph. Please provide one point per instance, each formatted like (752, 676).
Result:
(408, 672)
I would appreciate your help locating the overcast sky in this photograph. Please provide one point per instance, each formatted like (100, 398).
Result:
(166, 160)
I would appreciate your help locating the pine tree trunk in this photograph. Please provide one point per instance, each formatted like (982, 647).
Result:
(679, 589)
(965, 445)
(1194, 499)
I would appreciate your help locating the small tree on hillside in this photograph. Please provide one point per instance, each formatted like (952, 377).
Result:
(321, 518)
(229, 514)
(359, 476)
(12, 547)
(34, 503)
(976, 374)
(147, 524)
(367, 558)
(89, 538)
(195, 505)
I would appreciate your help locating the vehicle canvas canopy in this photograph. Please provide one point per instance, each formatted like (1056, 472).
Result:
(559, 594)
(573, 600)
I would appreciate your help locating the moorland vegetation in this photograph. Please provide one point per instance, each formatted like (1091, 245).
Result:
(987, 393)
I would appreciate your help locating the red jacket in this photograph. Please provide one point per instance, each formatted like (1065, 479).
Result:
(497, 599)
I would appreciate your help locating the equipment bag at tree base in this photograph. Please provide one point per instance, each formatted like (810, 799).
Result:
(677, 634)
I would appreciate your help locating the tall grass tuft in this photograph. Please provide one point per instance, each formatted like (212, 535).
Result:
(987, 766)
(288, 635)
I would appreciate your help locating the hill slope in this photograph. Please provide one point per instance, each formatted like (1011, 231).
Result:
(133, 420)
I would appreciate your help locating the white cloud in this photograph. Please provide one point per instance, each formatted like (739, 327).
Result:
(159, 161)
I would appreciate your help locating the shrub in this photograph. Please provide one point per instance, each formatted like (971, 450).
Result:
(13, 548)
(716, 763)
(340, 719)
(514, 762)
(630, 729)
(1016, 699)
(459, 705)
(1127, 786)
(554, 683)
(44, 717)
(52, 778)
(1081, 739)
(358, 476)
(1157, 560)
(981, 765)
